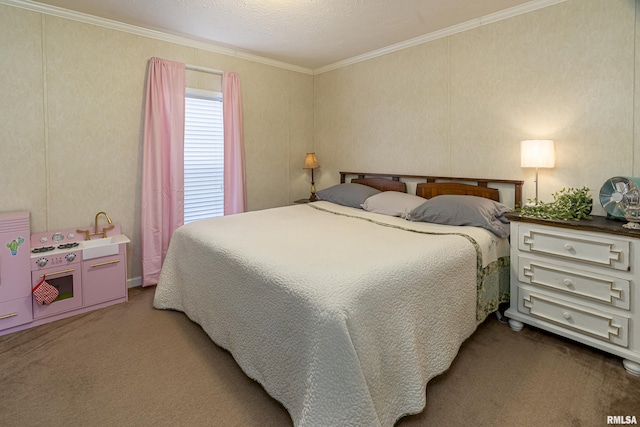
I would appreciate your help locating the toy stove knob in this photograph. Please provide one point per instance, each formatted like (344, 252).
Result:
(42, 262)
(70, 257)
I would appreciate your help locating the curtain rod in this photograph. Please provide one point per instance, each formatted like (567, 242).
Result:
(203, 69)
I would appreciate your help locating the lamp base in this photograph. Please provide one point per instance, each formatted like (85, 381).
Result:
(313, 197)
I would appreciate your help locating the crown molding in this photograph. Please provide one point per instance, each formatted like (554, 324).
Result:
(211, 47)
(455, 29)
(153, 34)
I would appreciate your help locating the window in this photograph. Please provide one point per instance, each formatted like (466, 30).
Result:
(203, 155)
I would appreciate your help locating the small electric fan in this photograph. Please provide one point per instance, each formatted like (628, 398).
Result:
(614, 191)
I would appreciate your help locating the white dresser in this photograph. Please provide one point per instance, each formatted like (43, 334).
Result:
(578, 279)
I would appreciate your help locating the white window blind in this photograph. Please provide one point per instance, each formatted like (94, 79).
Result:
(203, 156)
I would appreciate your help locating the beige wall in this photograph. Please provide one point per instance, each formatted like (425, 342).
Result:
(459, 105)
(71, 118)
(72, 103)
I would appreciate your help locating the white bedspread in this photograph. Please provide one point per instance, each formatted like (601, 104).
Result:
(341, 319)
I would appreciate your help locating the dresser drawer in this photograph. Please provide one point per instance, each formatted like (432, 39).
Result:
(15, 312)
(589, 248)
(600, 288)
(608, 327)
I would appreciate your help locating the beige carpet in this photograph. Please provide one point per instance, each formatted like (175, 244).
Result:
(132, 365)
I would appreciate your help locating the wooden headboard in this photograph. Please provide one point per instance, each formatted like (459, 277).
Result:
(382, 184)
(437, 185)
(432, 189)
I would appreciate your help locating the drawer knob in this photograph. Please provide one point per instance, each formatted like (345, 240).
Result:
(568, 247)
(566, 315)
(567, 282)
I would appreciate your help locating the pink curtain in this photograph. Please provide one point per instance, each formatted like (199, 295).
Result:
(162, 210)
(235, 195)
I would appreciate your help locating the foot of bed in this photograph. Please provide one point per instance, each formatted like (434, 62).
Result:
(516, 325)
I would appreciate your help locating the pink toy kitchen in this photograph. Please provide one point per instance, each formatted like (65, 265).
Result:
(57, 274)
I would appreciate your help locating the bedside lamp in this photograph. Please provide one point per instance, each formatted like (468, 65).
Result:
(537, 153)
(311, 162)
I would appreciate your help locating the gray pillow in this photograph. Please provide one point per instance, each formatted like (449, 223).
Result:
(392, 203)
(464, 210)
(348, 194)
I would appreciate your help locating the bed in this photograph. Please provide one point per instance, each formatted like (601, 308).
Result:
(342, 314)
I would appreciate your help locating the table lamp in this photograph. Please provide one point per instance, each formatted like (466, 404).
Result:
(311, 162)
(537, 153)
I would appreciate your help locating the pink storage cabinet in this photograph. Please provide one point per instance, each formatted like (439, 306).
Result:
(15, 276)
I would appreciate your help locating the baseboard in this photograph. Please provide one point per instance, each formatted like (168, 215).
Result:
(134, 282)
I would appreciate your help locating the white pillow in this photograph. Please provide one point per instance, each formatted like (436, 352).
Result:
(392, 203)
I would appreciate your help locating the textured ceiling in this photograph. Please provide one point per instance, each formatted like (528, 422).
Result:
(305, 33)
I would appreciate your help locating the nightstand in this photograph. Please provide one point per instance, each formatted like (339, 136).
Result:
(578, 279)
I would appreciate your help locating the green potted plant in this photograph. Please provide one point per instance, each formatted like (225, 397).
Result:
(568, 203)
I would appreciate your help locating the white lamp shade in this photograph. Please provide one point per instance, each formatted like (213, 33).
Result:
(537, 153)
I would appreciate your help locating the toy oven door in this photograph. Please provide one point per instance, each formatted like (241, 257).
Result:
(66, 279)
